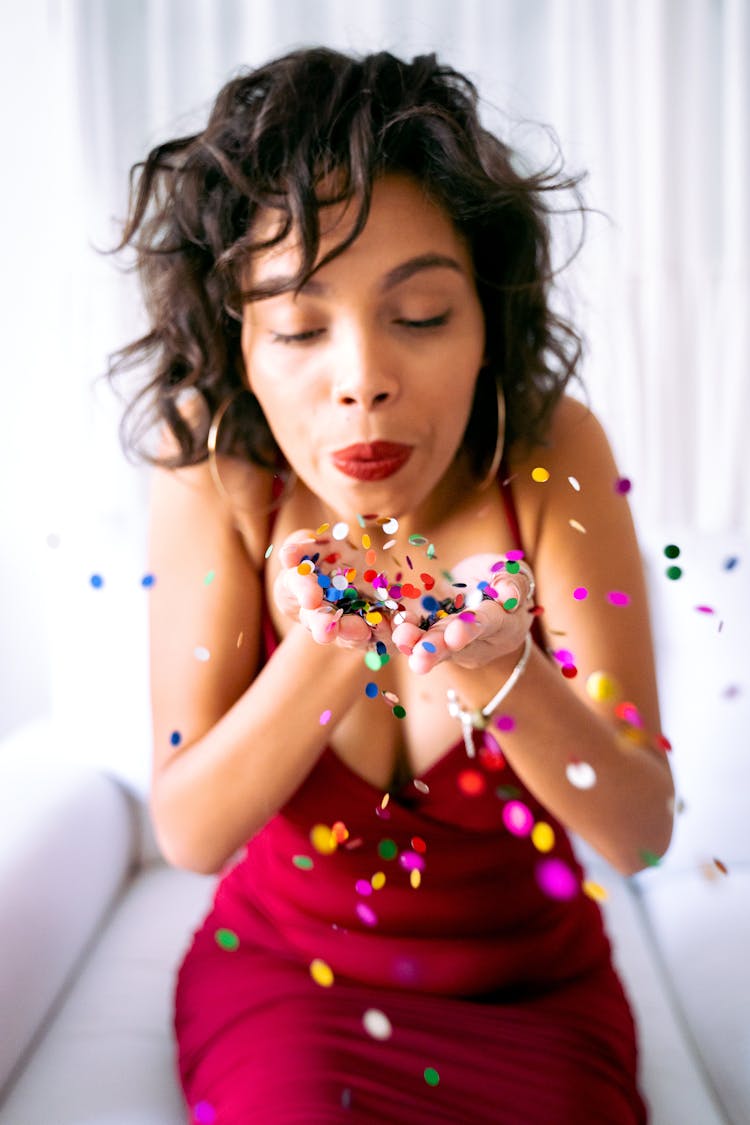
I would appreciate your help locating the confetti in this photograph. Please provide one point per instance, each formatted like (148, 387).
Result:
(175, 738)
(387, 849)
(543, 836)
(411, 861)
(399, 711)
(321, 972)
(721, 866)
(505, 723)
(569, 671)
(96, 581)
(517, 818)
(371, 690)
(415, 878)
(269, 551)
(390, 527)
(378, 881)
(471, 783)
(577, 526)
(303, 862)
(672, 551)
(209, 578)
(580, 593)
(201, 653)
(556, 879)
(731, 562)
(431, 1076)
(377, 1024)
(573, 482)
(618, 597)
(595, 891)
(227, 939)
(325, 717)
(148, 581)
(580, 774)
(204, 1113)
(323, 839)
(340, 530)
(623, 486)
(673, 572)
(602, 687)
(366, 914)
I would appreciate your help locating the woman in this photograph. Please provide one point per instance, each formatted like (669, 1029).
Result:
(372, 492)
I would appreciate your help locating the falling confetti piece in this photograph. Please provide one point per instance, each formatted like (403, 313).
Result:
(378, 881)
(569, 671)
(323, 839)
(581, 775)
(96, 581)
(602, 688)
(204, 1113)
(377, 1024)
(209, 578)
(269, 551)
(517, 818)
(705, 609)
(580, 593)
(595, 891)
(387, 849)
(672, 551)
(618, 597)
(623, 485)
(577, 526)
(175, 738)
(543, 836)
(148, 581)
(201, 653)
(673, 572)
(721, 866)
(540, 474)
(366, 914)
(303, 862)
(556, 879)
(431, 1076)
(471, 783)
(573, 482)
(340, 530)
(505, 723)
(321, 972)
(227, 939)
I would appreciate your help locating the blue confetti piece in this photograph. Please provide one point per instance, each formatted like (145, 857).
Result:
(428, 646)
(333, 595)
(371, 690)
(731, 563)
(380, 648)
(175, 738)
(324, 581)
(148, 580)
(430, 604)
(482, 585)
(96, 581)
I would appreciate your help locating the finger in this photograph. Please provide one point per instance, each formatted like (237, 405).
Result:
(430, 651)
(299, 544)
(303, 588)
(406, 635)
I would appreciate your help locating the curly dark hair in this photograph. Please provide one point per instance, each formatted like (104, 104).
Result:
(273, 135)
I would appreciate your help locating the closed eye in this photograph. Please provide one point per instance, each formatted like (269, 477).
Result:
(430, 322)
(296, 337)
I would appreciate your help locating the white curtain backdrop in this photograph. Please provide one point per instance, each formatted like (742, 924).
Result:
(652, 97)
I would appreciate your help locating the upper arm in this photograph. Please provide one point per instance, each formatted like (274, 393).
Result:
(205, 610)
(597, 554)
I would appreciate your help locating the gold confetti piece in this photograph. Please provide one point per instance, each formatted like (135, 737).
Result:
(540, 474)
(543, 836)
(721, 866)
(366, 541)
(595, 891)
(577, 526)
(384, 802)
(321, 972)
(415, 878)
(602, 687)
(324, 527)
(323, 839)
(378, 881)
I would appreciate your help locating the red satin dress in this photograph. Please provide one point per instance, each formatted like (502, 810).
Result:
(330, 986)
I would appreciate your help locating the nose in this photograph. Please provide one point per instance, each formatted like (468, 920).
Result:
(366, 377)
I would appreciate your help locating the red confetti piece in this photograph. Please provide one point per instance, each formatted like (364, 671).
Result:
(471, 783)
(428, 581)
(569, 671)
(409, 591)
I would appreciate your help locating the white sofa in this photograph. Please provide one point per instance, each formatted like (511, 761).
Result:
(93, 923)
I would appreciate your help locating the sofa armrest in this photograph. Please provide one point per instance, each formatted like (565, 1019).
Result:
(67, 843)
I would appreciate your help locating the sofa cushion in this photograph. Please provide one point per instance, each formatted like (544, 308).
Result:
(107, 1055)
(67, 841)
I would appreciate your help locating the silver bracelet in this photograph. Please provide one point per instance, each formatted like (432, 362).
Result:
(477, 720)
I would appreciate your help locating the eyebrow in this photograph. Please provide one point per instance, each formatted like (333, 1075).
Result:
(282, 284)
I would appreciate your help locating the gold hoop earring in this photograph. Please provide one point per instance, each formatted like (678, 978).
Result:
(212, 441)
(497, 456)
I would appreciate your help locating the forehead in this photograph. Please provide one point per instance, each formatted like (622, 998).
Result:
(403, 219)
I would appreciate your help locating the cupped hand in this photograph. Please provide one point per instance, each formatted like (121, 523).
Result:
(477, 636)
(299, 595)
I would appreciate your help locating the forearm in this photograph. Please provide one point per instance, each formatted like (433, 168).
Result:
(626, 814)
(219, 791)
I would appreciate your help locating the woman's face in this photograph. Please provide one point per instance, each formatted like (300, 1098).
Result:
(367, 376)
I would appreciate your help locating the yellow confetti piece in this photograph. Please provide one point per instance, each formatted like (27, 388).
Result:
(340, 832)
(324, 527)
(323, 839)
(577, 526)
(540, 474)
(305, 567)
(384, 802)
(595, 891)
(366, 541)
(321, 972)
(373, 617)
(543, 836)
(602, 687)
(415, 878)
(378, 881)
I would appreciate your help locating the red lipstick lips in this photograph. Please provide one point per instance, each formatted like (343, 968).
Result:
(370, 461)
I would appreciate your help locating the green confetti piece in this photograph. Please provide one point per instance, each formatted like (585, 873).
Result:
(510, 603)
(387, 849)
(227, 939)
(303, 862)
(431, 1076)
